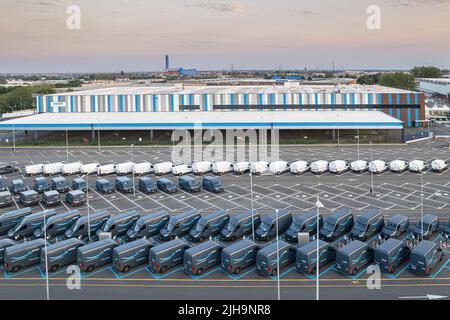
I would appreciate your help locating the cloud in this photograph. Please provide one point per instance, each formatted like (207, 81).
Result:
(418, 3)
(221, 6)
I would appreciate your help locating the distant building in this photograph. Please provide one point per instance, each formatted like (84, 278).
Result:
(438, 87)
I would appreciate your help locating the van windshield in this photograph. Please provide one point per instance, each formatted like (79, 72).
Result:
(360, 227)
(171, 224)
(264, 226)
(391, 226)
(295, 227)
(231, 227)
(199, 227)
(137, 227)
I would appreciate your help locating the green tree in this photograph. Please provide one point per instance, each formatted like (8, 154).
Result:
(369, 79)
(426, 72)
(400, 80)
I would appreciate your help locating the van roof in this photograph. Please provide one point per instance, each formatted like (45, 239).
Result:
(368, 215)
(242, 216)
(51, 193)
(123, 179)
(40, 179)
(429, 218)
(16, 212)
(352, 247)
(96, 245)
(62, 215)
(103, 180)
(26, 245)
(77, 180)
(188, 178)
(210, 178)
(398, 218)
(124, 215)
(238, 246)
(29, 192)
(76, 192)
(48, 213)
(57, 179)
(300, 218)
(389, 245)
(5, 193)
(6, 242)
(268, 219)
(211, 216)
(132, 245)
(151, 216)
(169, 245)
(312, 246)
(207, 245)
(423, 247)
(337, 215)
(94, 215)
(64, 244)
(165, 180)
(271, 248)
(185, 214)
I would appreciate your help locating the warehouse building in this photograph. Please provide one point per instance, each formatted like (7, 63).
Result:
(297, 110)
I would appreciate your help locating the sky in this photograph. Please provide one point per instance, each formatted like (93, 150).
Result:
(134, 35)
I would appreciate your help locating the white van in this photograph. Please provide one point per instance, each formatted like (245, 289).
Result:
(416, 166)
(279, 167)
(106, 169)
(359, 166)
(72, 168)
(222, 167)
(89, 168)
(259, 167)
(53, 168)
(398, 166)
(319, 167)
(439, 165)
(163, 168)
(142, 168)
(201, 167)
(241, 167)
(377, 166)
(338, 166)
(34, 169)
(181, 169)
(125, 168)
(299, 167)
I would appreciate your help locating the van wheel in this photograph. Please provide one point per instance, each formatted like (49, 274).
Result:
(237, 270)
(54, 268)
(163, 269)
(393, 269)
(126, 269)
(274, 272)
(354, 271)
(199, 271)
(16, 268)
(201, 239)
(171, 237)
(313, 270)
(268, 238)
(90, 268)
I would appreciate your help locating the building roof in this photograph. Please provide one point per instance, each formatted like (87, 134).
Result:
(207, 120)
(177, 89)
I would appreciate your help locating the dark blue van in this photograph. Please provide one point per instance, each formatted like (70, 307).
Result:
(51, 198)
(76, 198)
(395, 226)
(118, 225)
(26, 227)
(5, 243)
(240, 225)
(446, 229)
(148, 225)
(209, 225)
(23, 255)
(430, 224)
(29, 198)
(167, 255)
(189, 184)
(273, 224)
(146, 185)
(353, 257)
(390, 255)
(179, 225)
(95, 254)
(212, 184)
(6, 199)
(80, 228)
(306, 222)
(2, 184)
(124, 184)
(336, 225)
(266, 258)
(104, 186)
(57, 225)
(61, 254)
(367, 225)
(18, 186)
(202, 257)
(131, 254)
(60, 184)
(79, 184)
(239, 256)
(166, 185)
(10, 219)
(41, 185)
(306, 256)
(424, 257)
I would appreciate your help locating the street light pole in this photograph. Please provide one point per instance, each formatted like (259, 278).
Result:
(46, 256)
(338, 142)
(278, 257)
(318, 205)
(67, 146)
(132, 160)
(88, 210)
(358, 141)
(421, 209)
(429, 137)
(251, 195)
(371, 172)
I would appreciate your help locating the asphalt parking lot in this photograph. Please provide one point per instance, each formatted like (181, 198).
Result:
(392, 193)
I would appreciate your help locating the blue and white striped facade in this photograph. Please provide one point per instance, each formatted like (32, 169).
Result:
(403, 105)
